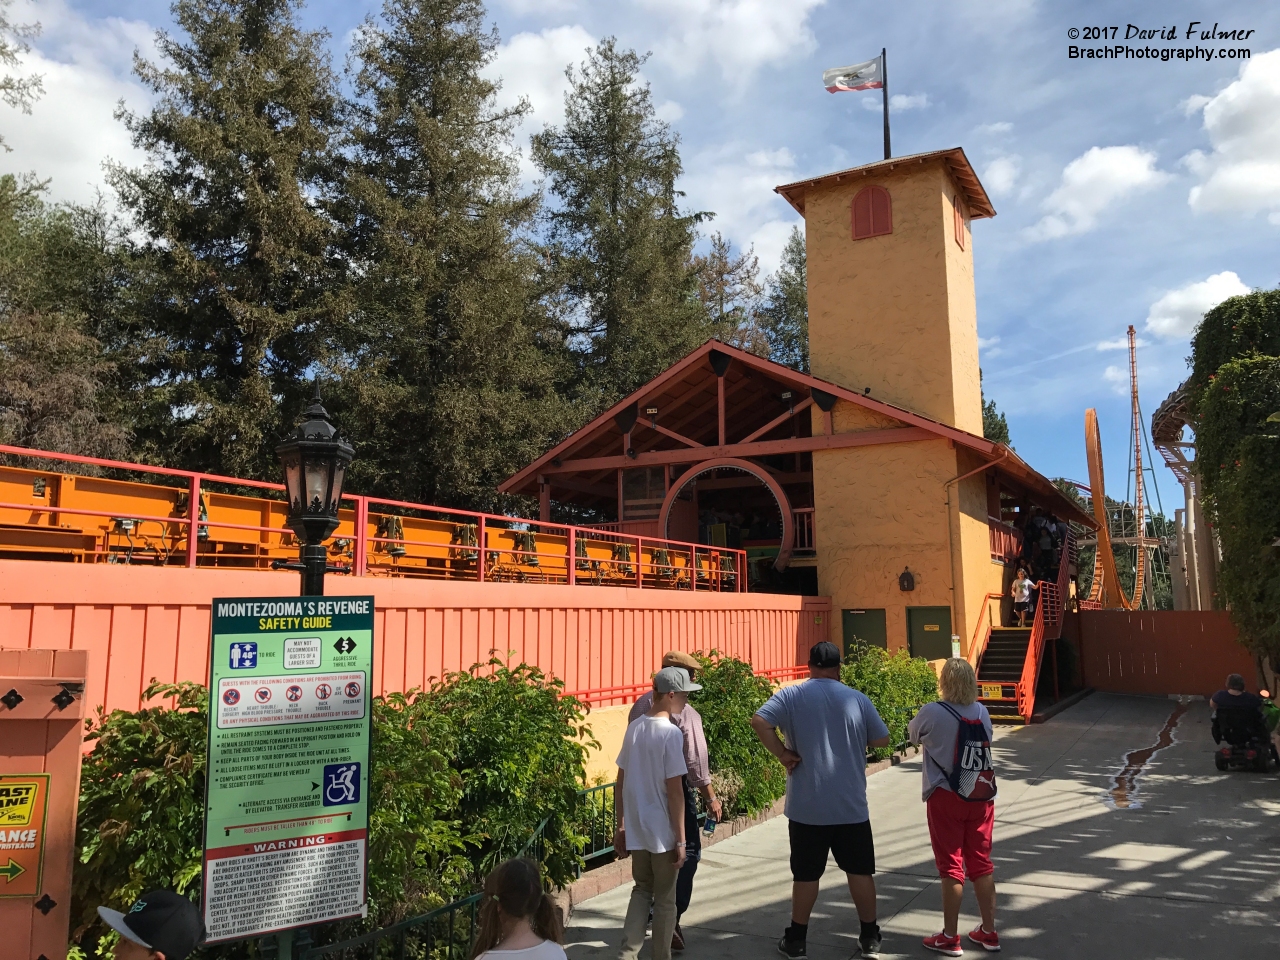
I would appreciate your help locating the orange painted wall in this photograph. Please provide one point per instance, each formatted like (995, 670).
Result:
(1162, 652)
(143, 622)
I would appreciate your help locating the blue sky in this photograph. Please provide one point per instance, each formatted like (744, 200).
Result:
(1129, 192)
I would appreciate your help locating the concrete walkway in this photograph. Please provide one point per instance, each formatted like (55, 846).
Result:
(1190, 869)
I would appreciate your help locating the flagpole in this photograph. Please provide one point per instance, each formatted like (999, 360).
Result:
(884, 89)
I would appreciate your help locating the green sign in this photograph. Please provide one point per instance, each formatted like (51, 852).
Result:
(286, 814)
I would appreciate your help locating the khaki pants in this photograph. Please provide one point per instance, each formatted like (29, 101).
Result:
(655, 886)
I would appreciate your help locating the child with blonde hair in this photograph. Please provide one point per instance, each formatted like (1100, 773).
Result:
(518, 920)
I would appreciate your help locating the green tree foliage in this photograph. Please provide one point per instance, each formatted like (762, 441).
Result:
(448, 360)
(994, 425)
(60, 306)
(19, 92)
(618, 246)
(731, 694)
(521, 749)
(239, 143)
(785, 312)
(729, 288)
(896, 683)
(1235, 389)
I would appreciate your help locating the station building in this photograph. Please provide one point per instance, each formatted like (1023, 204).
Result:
(866, 479)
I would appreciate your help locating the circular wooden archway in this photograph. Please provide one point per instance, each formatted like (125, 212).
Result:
(755, 470)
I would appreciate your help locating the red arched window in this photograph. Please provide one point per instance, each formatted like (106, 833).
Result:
(872, 213)
(960, 221)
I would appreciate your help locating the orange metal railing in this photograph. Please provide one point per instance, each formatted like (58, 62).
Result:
(1006, 540)
(1046, 627)
(229, 522)
(982, 627)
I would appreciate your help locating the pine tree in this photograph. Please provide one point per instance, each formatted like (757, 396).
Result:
(619, 246)
(994, 425)
(240, 145)
(785, 314)
(19, 92)
(449, 362)
(729, 288)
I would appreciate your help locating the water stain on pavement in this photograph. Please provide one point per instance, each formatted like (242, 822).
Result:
(1123, 795)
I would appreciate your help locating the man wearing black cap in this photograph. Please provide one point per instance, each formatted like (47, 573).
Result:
(828, 727)
(161, 925)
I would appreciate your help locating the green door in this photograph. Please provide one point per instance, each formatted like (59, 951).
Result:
(865, 625)
(929, 632)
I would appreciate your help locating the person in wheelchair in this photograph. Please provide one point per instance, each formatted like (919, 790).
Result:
(1237, 714)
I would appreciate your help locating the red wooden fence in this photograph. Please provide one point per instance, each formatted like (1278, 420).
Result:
(1161, 652)
(140, 623)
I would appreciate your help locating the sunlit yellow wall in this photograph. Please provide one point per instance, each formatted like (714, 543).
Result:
(896, 313)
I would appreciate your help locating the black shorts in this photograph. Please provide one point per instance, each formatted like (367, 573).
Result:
(850, 843)
(1021, 605)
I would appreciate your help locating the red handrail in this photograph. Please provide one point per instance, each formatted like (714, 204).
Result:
(976, 646)
(1047, 626)
(721, 563)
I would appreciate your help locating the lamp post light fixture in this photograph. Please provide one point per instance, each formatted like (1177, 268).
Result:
(315, 463)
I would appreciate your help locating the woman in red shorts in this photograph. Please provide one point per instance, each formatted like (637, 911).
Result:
(959, 827)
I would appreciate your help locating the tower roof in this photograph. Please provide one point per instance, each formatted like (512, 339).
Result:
(954, 159)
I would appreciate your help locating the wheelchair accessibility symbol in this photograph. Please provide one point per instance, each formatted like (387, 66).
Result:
(262, 694)
(231, 697)
(323, 691)
(293, 694)
(341, 784)
(353, 690)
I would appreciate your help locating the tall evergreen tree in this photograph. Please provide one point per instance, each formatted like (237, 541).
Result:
(240, 142)
(994, 424)
(785, 314)
(729, 288)
(619, 245)
(449, 361)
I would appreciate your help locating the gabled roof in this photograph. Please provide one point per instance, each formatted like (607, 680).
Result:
(954, 159)
(685, 394)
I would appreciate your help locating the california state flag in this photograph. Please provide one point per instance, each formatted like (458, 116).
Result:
(860, 76)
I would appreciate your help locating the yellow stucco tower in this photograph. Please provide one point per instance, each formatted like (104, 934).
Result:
(892, 308)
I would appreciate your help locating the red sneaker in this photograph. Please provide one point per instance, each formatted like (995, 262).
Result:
(987, 941)
(941, 943)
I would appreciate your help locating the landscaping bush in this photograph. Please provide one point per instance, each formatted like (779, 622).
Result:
(462, 774)
(896, 683)
(731, 694)
(520, 750)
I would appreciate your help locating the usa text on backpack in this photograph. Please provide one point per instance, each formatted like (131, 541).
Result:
(972, 775)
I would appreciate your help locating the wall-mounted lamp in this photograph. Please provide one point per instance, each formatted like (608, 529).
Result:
(786, 398)
(652, 414)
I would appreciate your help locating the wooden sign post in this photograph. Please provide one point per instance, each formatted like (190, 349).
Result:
(41, 716)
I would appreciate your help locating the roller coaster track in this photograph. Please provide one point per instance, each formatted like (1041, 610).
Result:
(1105, 590)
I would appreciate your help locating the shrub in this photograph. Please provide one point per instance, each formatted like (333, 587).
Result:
(520, 751)
(731, 694)
(896, 683)
(141, 806)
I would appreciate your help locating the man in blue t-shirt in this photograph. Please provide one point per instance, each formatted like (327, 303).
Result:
(828, 728)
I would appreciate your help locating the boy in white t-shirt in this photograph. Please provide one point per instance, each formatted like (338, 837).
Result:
(1021, 593)
(649, 799)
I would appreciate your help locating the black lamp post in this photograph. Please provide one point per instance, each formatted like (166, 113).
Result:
(315, 462)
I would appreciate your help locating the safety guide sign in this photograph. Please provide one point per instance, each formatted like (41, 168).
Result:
(24, 799)
(286, 821)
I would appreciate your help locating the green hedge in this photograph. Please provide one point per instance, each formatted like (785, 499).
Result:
(463, 773)
(896, 683)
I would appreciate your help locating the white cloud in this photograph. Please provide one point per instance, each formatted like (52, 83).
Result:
(984, 342)
(1001, 175)
(898, 102)
(86, 65)
(1001, 126)
(532, 66)
(1117, 377)
(1119, 343)
(737, 36)
(1092, 182)
(1242, 174)
(738, 187)
(1176, 314)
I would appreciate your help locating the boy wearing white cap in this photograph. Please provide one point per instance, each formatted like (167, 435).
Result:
(649, 801)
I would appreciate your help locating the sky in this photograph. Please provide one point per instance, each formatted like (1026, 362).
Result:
(1133, 191)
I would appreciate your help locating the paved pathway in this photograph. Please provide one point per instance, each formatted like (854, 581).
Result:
(1192, 869)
